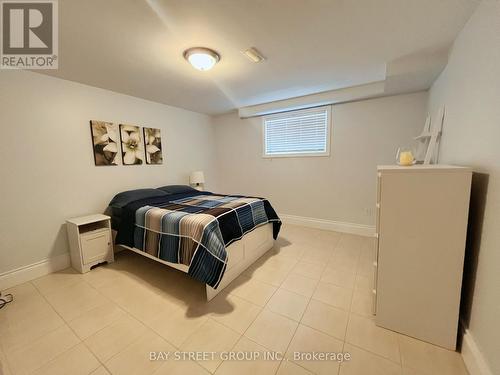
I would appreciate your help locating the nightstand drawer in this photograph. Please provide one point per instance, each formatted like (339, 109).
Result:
(95, 245)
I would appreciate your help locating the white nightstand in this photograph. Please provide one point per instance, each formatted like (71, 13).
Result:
(90, 241)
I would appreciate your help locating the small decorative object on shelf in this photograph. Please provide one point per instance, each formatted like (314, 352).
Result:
(90, 241)
(404, 156)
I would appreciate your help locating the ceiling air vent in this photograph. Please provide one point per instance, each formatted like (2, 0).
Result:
(254, 55)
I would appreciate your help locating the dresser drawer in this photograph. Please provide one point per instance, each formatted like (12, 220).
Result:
(379, 181)
(95, 245)
(375, 274)
(374, 302)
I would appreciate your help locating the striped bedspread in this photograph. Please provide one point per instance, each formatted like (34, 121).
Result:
(196, 230)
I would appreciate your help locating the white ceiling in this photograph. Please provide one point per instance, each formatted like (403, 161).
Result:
(135, 46)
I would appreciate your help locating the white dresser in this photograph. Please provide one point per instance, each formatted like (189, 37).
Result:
(422, 214)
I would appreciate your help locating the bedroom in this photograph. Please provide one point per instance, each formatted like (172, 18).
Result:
(274, 266)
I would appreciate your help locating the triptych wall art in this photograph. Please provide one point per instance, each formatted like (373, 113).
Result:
(152, 140)
(125, 144)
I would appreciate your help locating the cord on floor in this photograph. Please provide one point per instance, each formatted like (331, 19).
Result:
(5, 299)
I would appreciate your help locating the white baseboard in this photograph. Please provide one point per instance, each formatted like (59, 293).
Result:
(30, 272)
(472, 356)
(337, 226)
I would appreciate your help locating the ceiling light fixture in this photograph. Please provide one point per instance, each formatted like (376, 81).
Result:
(254, 55)
(201, 58)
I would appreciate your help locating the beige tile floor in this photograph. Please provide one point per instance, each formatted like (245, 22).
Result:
(311, 292)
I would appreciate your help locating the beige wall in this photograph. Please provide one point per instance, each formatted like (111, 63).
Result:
(338, 188)
(47, 165)
(469, 87)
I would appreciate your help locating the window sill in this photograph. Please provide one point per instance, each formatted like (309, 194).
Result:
(309, 155)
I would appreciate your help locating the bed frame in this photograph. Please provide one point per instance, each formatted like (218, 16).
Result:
(241, 254)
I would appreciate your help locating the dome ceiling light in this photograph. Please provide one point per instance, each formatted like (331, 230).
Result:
(201, 58)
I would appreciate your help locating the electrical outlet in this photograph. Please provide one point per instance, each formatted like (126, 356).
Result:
(368, 211)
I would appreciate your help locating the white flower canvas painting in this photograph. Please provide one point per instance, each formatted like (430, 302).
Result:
(152, 140)
(132, 145)
(105, 143)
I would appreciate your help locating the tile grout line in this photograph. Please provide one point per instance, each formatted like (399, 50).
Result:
(288, 272)
(260, 312)
(107, 325)
(46, 333)
(264, 307)
(359, 315)
(296, 328)
(232, 329)
(71, 329)
(134, 317)
(350, 309)
(125, 311)
(350, 312)
(6, 362)
(374, 354)
(298, 323)
(142, 323)
(99, 330)
(339, 369)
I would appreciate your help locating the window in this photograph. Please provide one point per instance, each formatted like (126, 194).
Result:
(298, 133)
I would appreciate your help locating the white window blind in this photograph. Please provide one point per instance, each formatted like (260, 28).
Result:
(297, 133)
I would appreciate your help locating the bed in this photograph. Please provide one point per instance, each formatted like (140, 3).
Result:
(211, 237)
